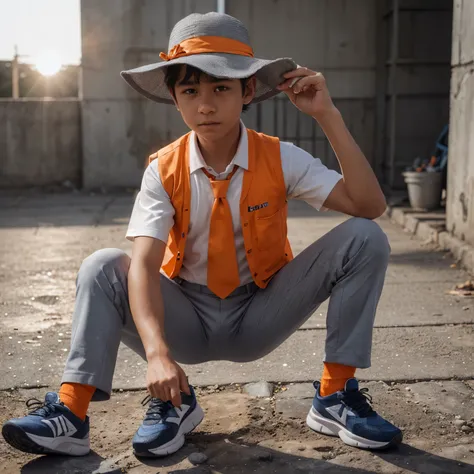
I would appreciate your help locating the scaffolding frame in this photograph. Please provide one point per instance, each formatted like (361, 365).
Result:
(387, 94)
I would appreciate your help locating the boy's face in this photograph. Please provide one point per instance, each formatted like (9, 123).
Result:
(211, 107)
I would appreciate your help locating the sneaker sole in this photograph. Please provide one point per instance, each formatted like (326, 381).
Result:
(33, 444)
(321, 424)
(188, 425)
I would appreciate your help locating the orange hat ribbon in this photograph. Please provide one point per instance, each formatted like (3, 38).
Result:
(207, 44)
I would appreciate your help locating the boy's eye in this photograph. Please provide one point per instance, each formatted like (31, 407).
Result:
(221, 88)
(189, 91)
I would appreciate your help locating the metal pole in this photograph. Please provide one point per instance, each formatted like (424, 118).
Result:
(380, 156)
(220, 6)
(393, 95)
(15, 76)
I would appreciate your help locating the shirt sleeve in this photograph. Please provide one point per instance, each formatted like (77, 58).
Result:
(306, 178)
(153, 213)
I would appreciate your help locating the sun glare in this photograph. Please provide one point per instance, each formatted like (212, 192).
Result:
(48, 63)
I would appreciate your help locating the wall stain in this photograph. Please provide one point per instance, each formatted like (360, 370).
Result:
(463, 201)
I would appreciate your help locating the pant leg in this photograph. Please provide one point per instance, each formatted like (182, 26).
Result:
(102, 319)
(348, 264)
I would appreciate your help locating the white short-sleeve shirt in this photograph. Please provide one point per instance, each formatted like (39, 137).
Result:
(306, 178)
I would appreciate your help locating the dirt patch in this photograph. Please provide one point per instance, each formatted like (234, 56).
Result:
(241, 434)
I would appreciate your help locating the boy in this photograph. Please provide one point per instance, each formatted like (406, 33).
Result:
(211, 214)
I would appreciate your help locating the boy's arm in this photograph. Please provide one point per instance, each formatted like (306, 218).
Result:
(358, 193)
(165, 378)
(150, 223)
(146, 303)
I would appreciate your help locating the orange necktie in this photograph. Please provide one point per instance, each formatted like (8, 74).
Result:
(222, 270)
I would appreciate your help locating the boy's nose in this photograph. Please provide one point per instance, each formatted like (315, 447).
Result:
(206, 108)
(206, 103)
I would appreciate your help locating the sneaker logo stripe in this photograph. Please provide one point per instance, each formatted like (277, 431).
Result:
(58, 429)
(55, 427)
(60, 426)
(52, 426)
(71, 429)
(339, 412)
(63, 425)
(180, 412)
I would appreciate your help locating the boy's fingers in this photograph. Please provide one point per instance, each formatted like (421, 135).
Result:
(297, 83)
(151, 390)
(316, 80)
(159, 393)
(303, 83)
(300, 71)
(175, 396)
(288, 84)
(156, 391)
(184, 385)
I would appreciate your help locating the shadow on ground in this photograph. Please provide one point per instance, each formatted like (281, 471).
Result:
(228, 455)
(424, 257)
(422, 462)
(64, 464)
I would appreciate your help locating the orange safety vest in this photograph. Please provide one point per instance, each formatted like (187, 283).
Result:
(263, 205)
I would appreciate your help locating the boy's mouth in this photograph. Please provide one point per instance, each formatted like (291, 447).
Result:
(208, 124)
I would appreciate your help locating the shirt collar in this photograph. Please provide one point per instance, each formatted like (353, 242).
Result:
(241, 157)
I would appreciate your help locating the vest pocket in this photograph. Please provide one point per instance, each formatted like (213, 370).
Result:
(271, 231)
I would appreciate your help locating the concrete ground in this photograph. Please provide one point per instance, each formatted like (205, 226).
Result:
(422, 374)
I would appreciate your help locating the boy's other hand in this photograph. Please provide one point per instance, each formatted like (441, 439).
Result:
(165, 380)
(308, 91)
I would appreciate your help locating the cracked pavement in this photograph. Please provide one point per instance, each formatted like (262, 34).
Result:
(422, 374)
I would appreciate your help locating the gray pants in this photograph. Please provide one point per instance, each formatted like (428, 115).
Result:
(347, 264)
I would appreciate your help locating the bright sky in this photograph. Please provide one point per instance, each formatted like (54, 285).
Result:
(38, 26)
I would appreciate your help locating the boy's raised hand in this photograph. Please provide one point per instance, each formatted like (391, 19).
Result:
(308, 91)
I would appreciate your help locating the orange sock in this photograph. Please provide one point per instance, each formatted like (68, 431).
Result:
(334, 377)
(76, 397)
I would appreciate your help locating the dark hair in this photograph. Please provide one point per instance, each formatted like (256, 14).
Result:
(172, 74)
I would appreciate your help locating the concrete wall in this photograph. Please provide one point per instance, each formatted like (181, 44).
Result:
(337, 38)
(40, 142)
(347, 40)
(460, 205)
(120, 128)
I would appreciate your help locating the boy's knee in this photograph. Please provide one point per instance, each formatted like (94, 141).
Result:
(372, 234)
(104, 260)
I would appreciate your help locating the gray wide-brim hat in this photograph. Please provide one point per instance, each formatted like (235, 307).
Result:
(150, 80)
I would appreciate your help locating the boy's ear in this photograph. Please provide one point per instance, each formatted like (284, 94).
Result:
(250, 89)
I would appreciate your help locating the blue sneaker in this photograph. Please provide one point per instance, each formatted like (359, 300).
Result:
(50, 428)
(348, 414)
(163, 429)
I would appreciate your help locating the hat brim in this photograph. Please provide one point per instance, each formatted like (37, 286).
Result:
(150, 80)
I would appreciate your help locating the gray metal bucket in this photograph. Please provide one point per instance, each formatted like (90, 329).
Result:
(424, 189)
